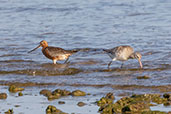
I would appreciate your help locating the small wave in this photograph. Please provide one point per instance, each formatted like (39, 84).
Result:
(139, 14)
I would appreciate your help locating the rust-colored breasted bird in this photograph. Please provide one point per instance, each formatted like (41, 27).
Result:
(54, 53)
(123, 53)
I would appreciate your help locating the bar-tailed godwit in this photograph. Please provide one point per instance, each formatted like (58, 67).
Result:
(54, 53)
(123, 53)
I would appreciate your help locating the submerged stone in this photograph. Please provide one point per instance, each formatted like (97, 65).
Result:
(143, 77)
(71, 71)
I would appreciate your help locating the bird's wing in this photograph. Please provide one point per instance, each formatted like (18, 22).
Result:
(55, 51)
(119, 51)
(123, 52)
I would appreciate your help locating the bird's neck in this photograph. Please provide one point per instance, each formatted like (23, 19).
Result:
(132, 56)
(44, 47)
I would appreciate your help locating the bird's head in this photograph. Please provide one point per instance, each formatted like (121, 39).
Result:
(43, 44)
(138, 56)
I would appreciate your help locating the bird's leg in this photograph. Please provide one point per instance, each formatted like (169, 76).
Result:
(109, 64)
(54, 61)
(66, 60)
(114, 59)
(122, 64)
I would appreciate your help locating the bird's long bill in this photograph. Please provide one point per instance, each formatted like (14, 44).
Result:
(34, 49)
(139, 60)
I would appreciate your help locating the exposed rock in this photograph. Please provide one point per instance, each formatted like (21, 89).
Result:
(61, 92)
(78, 93)
(167, 103)
(14, 89)
(10, 111)
(3, 95)
(61, 102)
(45, 92)
(167, 96)
(20, 94)
(136, 108)
(53, 110)
(52, 97)
(133, 104)
(80, 104)
(110, 96)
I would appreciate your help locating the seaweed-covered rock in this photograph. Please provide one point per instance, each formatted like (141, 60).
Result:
(133, 104)
(117, 107)
(10, 111)
(52, 97)
(45, 92)
(167, 103)
(14, 89)
(167, 96)
(20, 94)
(110, 96)
(53, 110)
(3, 95)
(136, 108)
(61, 92)
(78, 93)
(104, 101)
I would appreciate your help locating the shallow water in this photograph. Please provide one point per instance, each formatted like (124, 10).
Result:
(94, 25)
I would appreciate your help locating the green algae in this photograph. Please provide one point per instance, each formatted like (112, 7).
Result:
(134, 104)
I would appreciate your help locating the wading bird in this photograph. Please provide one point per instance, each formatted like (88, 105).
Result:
(123, 53)
(54, 53)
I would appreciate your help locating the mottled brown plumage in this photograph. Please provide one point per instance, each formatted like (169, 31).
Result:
(54, 53)
(123, 53)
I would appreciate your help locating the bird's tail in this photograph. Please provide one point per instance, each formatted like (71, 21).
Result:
(106, 50)
(85, 50)
(75, 50)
